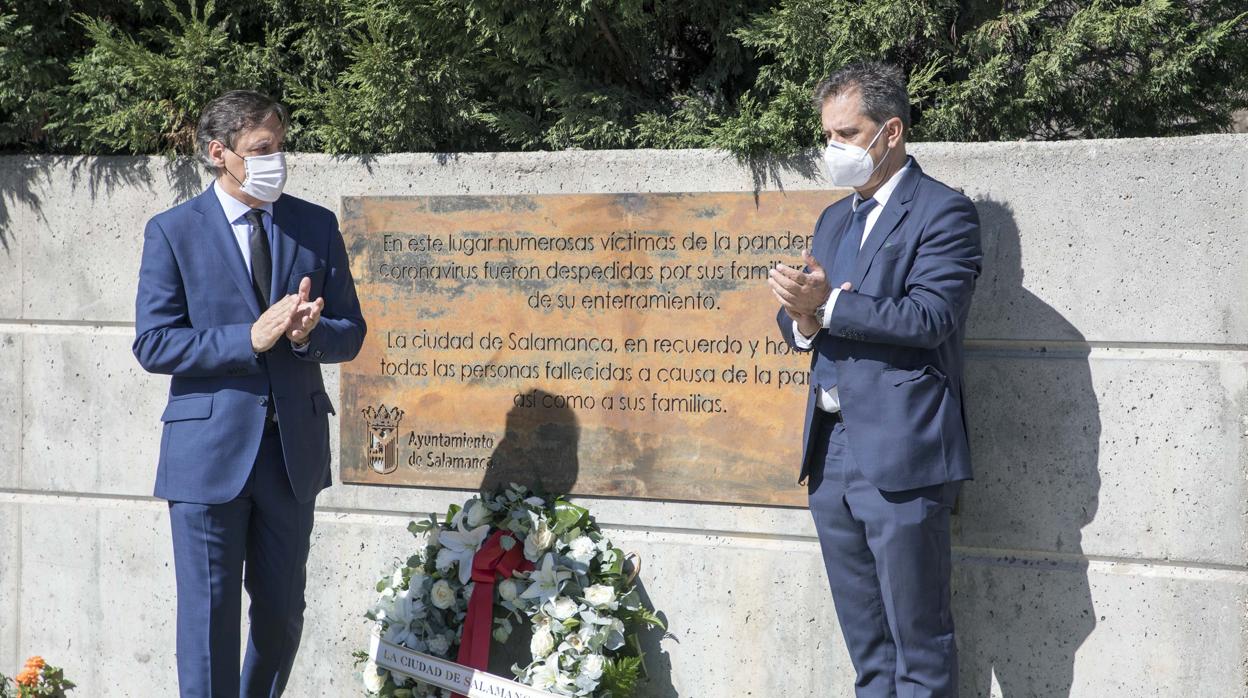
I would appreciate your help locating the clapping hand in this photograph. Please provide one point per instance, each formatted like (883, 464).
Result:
(307, 314)
(273, 323)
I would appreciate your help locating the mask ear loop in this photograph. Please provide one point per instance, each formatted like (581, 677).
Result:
(240, 157)
(867, 150)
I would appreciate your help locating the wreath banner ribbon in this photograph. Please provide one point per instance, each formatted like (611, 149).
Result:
(447, 674)
(490, 561)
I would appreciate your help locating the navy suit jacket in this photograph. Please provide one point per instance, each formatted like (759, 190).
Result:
(193, 318)
(897, 337)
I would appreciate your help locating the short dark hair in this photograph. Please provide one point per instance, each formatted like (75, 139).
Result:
(225, 117)
(882, 86)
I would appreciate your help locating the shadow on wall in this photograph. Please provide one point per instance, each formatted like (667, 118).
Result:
(538, 448)
(1022, 600)
(20, 174)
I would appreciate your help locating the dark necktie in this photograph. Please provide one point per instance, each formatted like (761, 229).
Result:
(261, 260)
(842, 268)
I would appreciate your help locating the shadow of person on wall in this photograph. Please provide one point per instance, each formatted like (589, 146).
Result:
(1022, 599)
(538, 449)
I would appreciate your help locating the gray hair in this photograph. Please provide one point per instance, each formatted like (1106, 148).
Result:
(882, 86)
(234, 112)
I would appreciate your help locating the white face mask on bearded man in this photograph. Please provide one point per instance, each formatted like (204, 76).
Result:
(849, 165)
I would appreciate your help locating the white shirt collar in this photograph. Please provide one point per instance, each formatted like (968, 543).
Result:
(886, 189)
(235, 209)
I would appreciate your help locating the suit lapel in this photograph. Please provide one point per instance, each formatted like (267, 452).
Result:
(285, 244)
(893, 214)
(221, 235)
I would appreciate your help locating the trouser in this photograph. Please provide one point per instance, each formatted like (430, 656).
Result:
(887, 555)
(258, 540)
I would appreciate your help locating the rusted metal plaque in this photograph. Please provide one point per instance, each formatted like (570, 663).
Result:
(599, 344)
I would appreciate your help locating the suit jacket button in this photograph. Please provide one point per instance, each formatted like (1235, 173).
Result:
(264, 402)
(319, 354)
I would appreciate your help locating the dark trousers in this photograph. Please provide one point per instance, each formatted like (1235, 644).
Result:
(888, 557)
(265, 532)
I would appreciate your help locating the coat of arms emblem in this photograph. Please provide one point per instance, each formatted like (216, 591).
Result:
(383, 425)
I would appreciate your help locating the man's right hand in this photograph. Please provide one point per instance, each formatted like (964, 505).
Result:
(273, 323)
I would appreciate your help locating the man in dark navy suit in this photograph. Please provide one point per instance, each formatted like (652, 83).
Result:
(243, 293)
(882, 306)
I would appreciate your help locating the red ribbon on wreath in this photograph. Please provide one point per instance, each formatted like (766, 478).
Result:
(489, 562)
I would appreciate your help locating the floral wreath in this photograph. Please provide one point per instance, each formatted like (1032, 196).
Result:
(560, 576)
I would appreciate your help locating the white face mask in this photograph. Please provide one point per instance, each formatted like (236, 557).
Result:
(849, 165)
(266, 176)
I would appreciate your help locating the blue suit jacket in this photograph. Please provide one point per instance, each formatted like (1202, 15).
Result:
(193, 318)
(897, 337)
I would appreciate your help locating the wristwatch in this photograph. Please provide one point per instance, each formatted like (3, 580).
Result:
(823, 307)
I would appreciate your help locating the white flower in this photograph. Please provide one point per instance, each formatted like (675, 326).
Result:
(546, 676)
(585, 685)
(442, 595)
(592, 666)
(508, 590)
(583, 550)
(459, 547)
(563, 608)
(542, 644)
(410, 605)
(439, 645)
(477, 513)
(601, 596)
(546, 581)
(374, 677)
(539, 540)
(400, 633)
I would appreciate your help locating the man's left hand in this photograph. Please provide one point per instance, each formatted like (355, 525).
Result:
(798, 291)
(307, 315)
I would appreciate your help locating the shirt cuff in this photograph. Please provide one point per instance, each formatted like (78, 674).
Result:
(826, 320)
(801, 340)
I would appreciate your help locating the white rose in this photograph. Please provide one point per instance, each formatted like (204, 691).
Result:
(374, 677)
(477, 514)
(563, 608)
(582, 550)
(591, 666)
(538, 541)
(600, 596)
(442, 595)
(439, 645)
(542, 644)
(508, 590)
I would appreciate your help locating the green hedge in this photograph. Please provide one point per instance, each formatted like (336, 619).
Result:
(376, 76)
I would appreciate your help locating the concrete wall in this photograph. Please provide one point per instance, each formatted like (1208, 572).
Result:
(1102, 551)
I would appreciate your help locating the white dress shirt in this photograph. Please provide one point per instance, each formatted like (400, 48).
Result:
(235, 211)
(830, 399)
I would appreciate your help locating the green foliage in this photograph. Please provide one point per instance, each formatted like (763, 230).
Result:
(620, 676)
(376, 76)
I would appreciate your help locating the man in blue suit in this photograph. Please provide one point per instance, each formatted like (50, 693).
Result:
(882, 306)
(243, 293)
